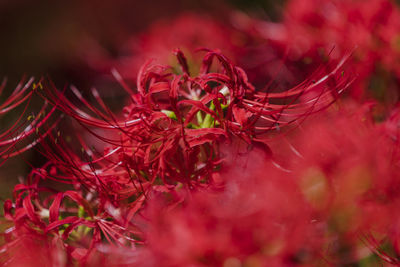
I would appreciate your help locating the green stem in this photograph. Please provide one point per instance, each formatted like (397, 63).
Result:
(208, 120)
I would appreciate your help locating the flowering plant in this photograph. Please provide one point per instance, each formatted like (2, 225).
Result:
(204, 166)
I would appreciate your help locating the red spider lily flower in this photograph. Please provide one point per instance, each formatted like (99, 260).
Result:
(171, 131)
(78, 221)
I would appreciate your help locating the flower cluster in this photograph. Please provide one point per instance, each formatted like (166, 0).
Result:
(313, 31)
(205, 165)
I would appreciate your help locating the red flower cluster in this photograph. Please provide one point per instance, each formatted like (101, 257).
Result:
(169, 141)
(203, 167)
(315, 30)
